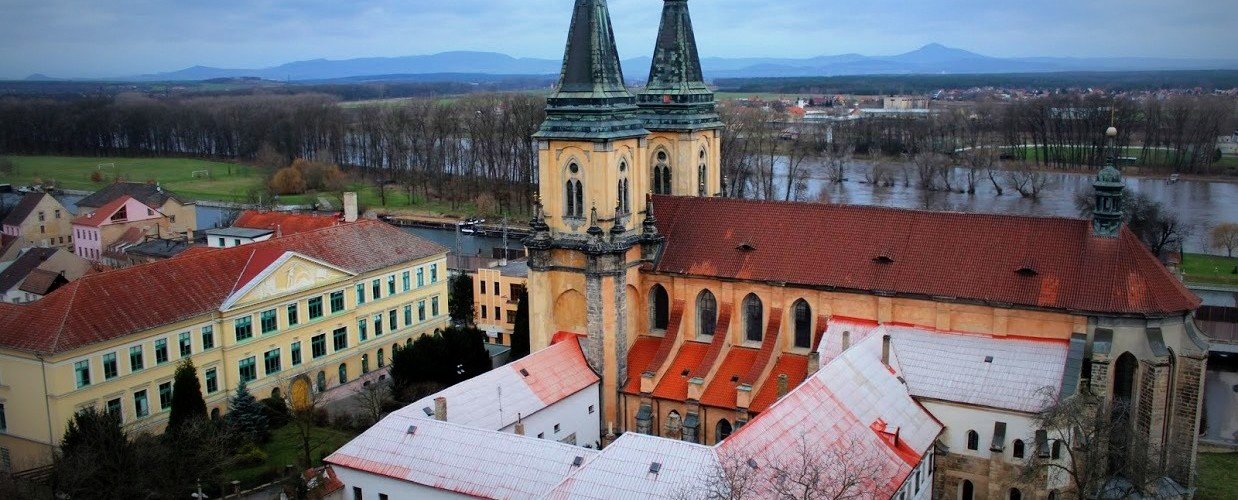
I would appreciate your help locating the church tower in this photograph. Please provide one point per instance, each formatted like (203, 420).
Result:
(590, 229)
(1107, 214)
(678, 109)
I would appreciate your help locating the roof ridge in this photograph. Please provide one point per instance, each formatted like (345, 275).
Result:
(64, 317)
(860, 206)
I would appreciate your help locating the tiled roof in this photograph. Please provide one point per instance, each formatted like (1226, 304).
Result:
(706, 362)
(150, 194)
(973, 257)
(795, 367)
(41, 282)
(674, 384)
(112, 304)
(621, 470)
(97, 217)
(23, 209)
(286, 223)
(461, 459)
(673, 325)
(29, 260)
(769, 344)
(1012, 373)
(721, 390)
(640, 355)
(493, 399)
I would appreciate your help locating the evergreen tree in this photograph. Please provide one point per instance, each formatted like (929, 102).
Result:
(520, 331)
(96, 459)
(246, 415)
(442, 359)
(187, 402)
(460, 299)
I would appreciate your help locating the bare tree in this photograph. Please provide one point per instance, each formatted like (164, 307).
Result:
(812, 470)
(977, 162)
(370, 399)
(1224, 235)
(881, 174)
(307, 414)
(929, 169)
(1027, 181)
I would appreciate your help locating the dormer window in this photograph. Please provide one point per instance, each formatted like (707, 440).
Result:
(1027, 271)
(883, 259)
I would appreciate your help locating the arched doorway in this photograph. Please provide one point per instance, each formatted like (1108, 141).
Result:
(299, 392)
(967, 491)
(659, 308)
(322, 381)
(275, 394)
(722, 430)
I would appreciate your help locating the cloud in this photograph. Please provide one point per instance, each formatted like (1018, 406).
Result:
(123, 37)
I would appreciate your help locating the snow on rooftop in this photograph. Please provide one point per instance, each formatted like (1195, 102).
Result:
(625, 470)
(494, 400)
(462, 459)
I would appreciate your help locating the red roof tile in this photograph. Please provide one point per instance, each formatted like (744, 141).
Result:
(715, 346)
(768, 345)
(674, 384)
(287, 223)
(721, 391)
(794, 366)
(672, 333)
(639, 356)
(974, 257)
(108, 305)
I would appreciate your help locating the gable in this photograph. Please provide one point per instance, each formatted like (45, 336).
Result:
(288, 274)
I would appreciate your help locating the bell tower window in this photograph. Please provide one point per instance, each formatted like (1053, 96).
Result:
(574, 193)
(662, 174)
(700, 175)
(625, 198)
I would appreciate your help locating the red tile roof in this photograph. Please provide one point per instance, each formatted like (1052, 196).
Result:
(674, 384)
(108, 305)
(794, 366)
(672, 333)
(768, 345)
(287, 223)
(719, 341)
(639, 356)
(97, 217)
(972, 257)
(721, 391)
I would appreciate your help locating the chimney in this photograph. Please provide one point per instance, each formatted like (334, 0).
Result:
(519, 425)
(782, 385)
(885, 350)
(440, 408)
(350, 207)
(846, 340)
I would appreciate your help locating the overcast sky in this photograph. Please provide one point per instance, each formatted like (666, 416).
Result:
(76, 38)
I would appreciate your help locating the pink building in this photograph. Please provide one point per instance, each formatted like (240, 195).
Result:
(95, 230)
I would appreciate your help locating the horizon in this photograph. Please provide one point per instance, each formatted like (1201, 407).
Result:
(126, 38)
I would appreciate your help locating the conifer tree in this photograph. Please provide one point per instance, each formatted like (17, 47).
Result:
(245, 415)
(187, 403)
(520, 331)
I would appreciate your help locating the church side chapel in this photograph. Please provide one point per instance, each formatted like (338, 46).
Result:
(711, 343)
(699, 312)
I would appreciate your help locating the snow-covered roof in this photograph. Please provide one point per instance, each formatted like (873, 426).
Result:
(998, 372)
(462, 459)
(495, 399)
(623, 470)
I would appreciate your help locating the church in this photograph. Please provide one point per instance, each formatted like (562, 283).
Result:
(687, 345)
(697, 311)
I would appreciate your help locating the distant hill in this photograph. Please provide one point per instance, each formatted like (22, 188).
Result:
(927, 60)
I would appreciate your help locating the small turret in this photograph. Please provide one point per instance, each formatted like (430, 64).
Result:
(1107, 214)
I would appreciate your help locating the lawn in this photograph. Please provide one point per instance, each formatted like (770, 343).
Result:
(284, 449)
(1218, 476)
(1201, 268)
(226, 182)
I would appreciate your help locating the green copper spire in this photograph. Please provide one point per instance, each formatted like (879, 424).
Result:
(676, 97)
(1108, 213)
(592, 102)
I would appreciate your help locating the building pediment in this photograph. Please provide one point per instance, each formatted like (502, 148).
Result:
(281, 275)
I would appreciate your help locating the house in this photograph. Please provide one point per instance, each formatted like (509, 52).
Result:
(38, 271)
(295, 315)
(254, 225)
(496, 292)
(39, 220)
(182, 215)
(124, 220)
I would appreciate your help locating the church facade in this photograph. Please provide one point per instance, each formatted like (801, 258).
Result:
(698, 312)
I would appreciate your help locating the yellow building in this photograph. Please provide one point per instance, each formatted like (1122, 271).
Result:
(38, 220)
(306, 312)
(496, 292)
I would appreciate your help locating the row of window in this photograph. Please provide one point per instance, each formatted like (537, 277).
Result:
(752, 320)
(923, 472)
(137, 359)
(141, 398)
(1018, 449)
(268, 320)
(86, 234)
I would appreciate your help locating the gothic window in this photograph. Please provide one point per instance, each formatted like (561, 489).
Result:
(1057, 449)
(625, 199)
(1017, 449)
(659, 308)
(662, 174)
(706, 313)
(674, 425)
(1125, 371)
(700, 175)
(754, 318)
(722, 430)
(803, 323)
(967, 491)
(973, 440)
(574, 193)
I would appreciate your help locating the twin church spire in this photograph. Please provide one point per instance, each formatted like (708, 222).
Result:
(592, 101)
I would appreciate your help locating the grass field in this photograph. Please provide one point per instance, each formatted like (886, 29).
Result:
(284, 449)
(1152, 157)
(1218, 476)
(1200, 268)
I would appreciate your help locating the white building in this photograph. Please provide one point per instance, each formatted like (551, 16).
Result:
(228, 237)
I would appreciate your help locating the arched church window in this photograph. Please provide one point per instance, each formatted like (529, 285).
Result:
(574, 193)
(803, 323)
(701, 175)
(722, 430)
(973, 440)
(754, 318)
(659, 307)
(662, 174)
(570, 198)
(1017, 449)
(706, 313)
(674, 425)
